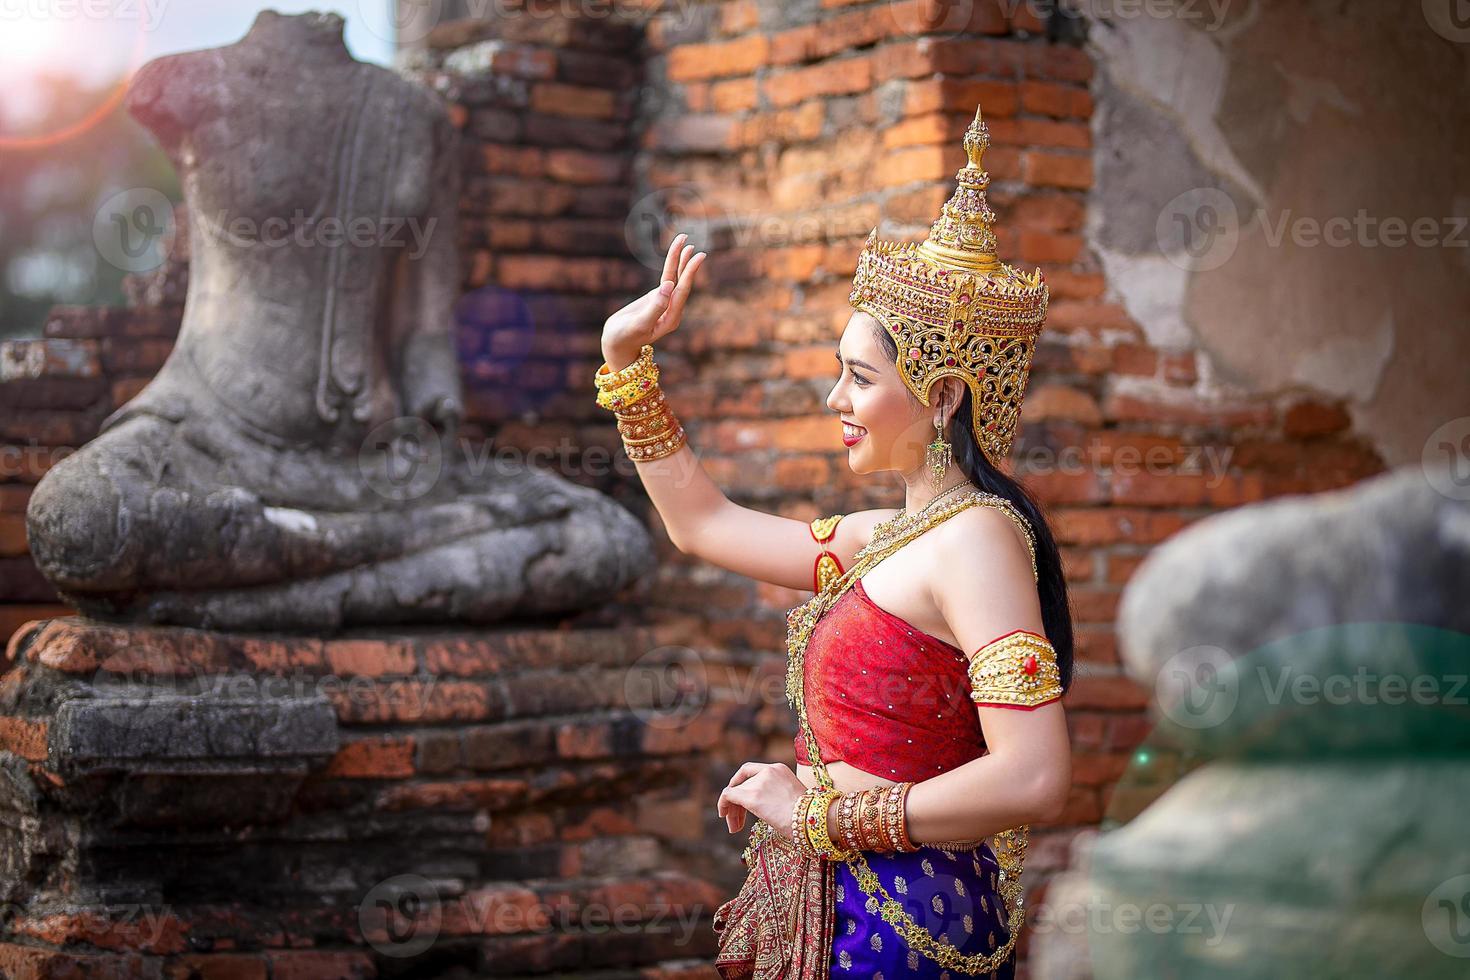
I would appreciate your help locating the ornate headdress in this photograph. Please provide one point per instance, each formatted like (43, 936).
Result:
(954, 309)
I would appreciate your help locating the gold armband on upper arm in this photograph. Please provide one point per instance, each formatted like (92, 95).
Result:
(1019, 670)
(827, 566)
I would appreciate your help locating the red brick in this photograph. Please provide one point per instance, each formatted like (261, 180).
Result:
(1111, 525)
(1056, 401)
(1099, 768)
(1054, 486)
(25, 737)
(704, 133)
(410, 701)
(14, 497)
(1094, 605)
(369, 658)
(1084, 806)
(1052, 99)
(383, 757)
(1300, 421)
(1039, 247)
(466, 794)
(584, 167)
(696, 62)
(522, 161)
(1086, 729)
(735, 95)
(915, 163)
(802, 473)
(1136, 407)
(1042, 169)
(1112, 692)
(1097, 645)
(1135, 359)
(1122, 567)
(576, 101)
(159, 932)
(13, 535)
(787, 126)
(995, 99)
(840, 77)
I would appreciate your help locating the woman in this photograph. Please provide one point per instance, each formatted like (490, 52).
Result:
(929, 625)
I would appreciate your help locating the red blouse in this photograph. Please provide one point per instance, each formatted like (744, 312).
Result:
(886, 697)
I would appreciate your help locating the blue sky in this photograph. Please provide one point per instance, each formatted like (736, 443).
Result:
(37, 35)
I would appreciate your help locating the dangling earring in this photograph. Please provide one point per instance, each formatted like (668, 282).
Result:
(938, 456)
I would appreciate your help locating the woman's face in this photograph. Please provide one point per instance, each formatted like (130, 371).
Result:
(885, 426)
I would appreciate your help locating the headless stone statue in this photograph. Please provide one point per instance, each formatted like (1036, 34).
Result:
(294, 465)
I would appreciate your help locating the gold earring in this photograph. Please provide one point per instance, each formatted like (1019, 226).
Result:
(938, 456)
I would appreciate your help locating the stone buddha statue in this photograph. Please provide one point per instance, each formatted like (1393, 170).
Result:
(294, 463)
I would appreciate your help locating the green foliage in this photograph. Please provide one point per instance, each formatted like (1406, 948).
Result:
(50, 191)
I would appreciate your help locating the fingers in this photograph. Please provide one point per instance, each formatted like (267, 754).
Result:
(684, 255)
(671, 260)
(682, 290)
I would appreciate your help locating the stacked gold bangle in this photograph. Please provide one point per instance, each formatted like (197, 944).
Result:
(867, 820)
(648, 427)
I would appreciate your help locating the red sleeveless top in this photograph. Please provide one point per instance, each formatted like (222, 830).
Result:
(885, 697)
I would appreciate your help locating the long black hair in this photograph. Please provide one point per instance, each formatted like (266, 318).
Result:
(1056, 612)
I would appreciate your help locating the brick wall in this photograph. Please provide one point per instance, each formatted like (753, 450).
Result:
(779, 134)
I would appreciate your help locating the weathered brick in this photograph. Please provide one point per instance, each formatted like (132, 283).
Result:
(382, 757)
(1042, 169)
(696, 62)
(576, 101)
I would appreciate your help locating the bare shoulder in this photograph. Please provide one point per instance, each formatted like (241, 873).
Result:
(981, 578)
(983, 532)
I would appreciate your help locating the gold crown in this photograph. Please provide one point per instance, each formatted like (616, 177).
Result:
(954, 309)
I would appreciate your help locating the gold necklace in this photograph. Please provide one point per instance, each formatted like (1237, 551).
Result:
(896, 523)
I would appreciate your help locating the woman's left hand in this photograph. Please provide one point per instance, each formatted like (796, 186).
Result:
(767, 789)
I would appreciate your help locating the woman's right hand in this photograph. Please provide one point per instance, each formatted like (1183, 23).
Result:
(656, 313)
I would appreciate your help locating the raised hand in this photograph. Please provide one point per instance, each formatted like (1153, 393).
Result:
(656, 313)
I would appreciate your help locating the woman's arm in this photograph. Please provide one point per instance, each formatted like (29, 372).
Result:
(1026, 775)
(699, 518)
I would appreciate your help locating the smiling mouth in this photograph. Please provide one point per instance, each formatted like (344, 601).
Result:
(852, 433)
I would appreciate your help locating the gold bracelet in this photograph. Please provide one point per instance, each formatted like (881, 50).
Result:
(629, 393)
(644, 454)
(655, 424)
(816, 825)
(798, 824)
(606, 377)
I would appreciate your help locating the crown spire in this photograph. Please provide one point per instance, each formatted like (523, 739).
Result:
(961, 237)
(953, 309)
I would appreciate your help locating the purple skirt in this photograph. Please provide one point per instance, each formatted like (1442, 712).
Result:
(950, 893)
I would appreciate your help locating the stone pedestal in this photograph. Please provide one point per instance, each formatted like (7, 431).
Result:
(185, 803)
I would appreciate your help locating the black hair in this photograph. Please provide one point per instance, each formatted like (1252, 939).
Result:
(1056, 611)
